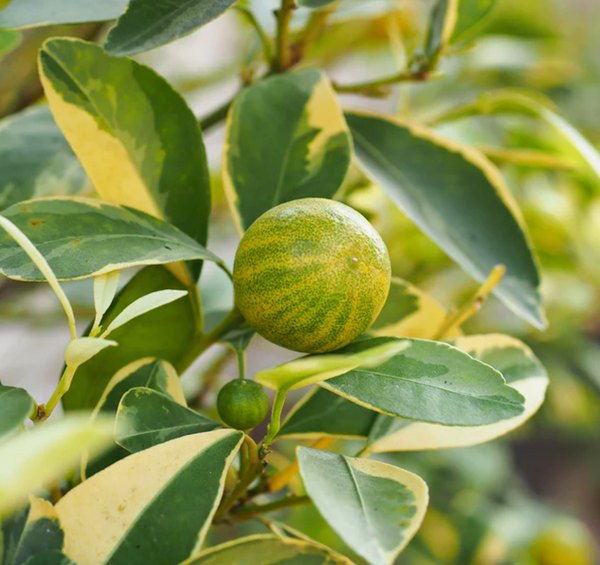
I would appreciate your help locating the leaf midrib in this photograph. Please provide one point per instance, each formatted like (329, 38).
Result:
(371, 528)
(430, 385)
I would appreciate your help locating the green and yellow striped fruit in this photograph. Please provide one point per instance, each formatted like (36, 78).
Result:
(311, 275)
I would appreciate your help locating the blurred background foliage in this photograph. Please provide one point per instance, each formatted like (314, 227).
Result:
(534, 497)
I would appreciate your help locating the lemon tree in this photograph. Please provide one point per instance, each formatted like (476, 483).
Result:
(108, 181)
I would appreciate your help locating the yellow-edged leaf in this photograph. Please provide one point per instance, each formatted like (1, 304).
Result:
(522, 371)
(154, 506)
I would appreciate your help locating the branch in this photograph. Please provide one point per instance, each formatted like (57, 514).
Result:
(249, 512)
(216, 116)
(231, 321)
(528, 158)
(456, 319)
(281, 61)
(380, 88)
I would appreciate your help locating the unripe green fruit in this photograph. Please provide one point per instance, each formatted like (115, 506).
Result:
(311, 275)
(242, 404)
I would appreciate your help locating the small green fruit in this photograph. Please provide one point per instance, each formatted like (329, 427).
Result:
(242, 404)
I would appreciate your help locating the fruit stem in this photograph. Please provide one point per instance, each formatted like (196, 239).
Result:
(249, 512)
(233, 320)
(455, 319)
(241, 363)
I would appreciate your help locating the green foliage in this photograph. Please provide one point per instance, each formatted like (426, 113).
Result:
(35, 159)
(103, 238)
(112, 176)
(15, 407)
(441, 200)
(146, 25)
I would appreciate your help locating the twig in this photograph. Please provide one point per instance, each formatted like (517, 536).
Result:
(216, 116)
(528, 158)
(249, 512)
(282, 58)
(231, 321)
(381, 87)
(456, 319)
(255, 467)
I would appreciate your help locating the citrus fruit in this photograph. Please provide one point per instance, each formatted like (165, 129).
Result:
(311, 275)
(242, 404)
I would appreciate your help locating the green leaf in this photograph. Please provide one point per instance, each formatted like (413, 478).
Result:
(442, 201)
(441, 26)
(374, 507)
(34, 530)
(473, 15)
(521, 369)
(141, 338)
(322, 413)
(82, 349)
(15, 407)
(98, 238)
(154, 374)
(35, 159)
(58, 444)
(9, 40)
(429, 382)
(409, 312)
(237, 339)
(142, 306)
(50, 558)
(146, 418)
(318, 368)
(154, 506)
(166, 176)
(31, 13)
(149, 24)
(303, 149)
(268, 549)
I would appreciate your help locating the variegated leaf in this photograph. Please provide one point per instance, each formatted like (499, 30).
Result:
(98, 238)
(374, 507)
(286, 139)
(112, 112)
(148, 508)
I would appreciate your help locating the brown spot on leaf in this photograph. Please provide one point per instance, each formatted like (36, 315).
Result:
(35, 223)
(77, 242)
